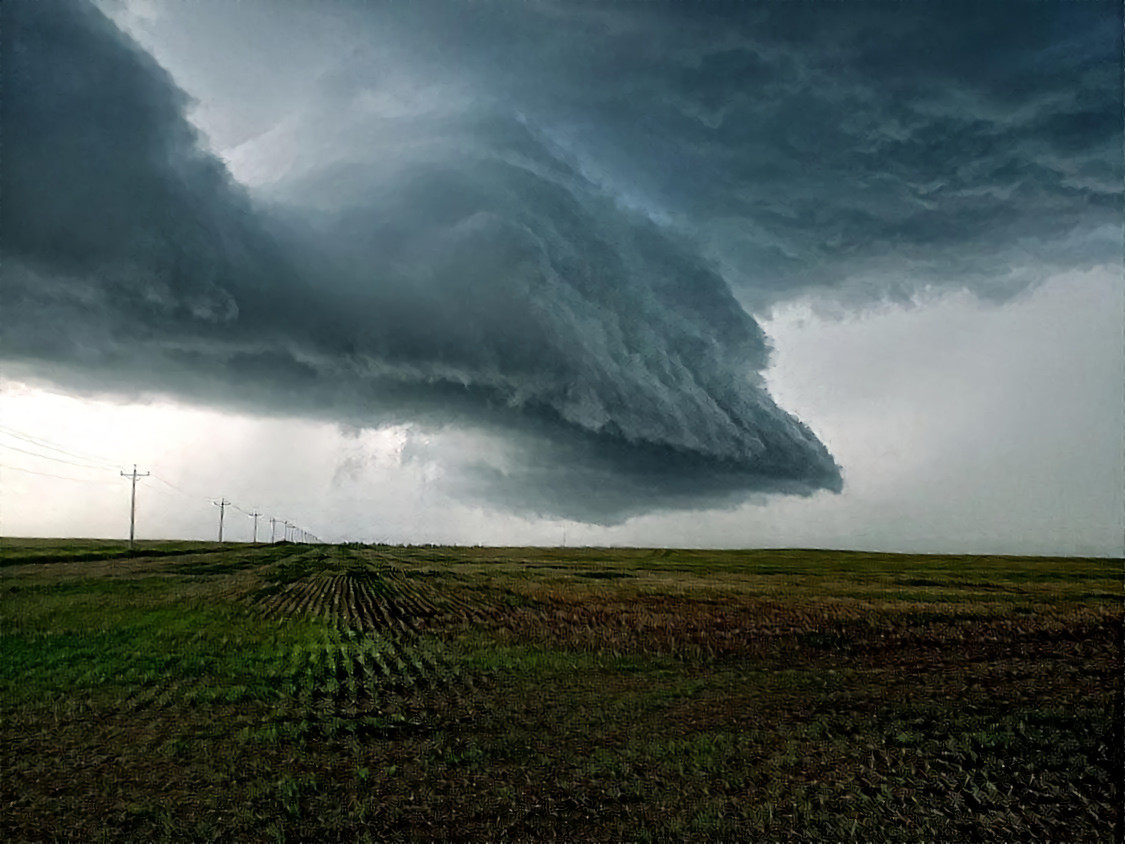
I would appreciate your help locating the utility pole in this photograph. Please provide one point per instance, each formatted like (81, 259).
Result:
(287, 527)
(222, 505)
(273, 528)
(254, 516)
(133, 502)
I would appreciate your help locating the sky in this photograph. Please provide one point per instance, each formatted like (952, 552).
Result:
(799, 274)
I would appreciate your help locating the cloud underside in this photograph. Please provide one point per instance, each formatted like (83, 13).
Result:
(497, 248)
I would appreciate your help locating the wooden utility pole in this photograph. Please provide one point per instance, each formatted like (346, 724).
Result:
(254, 516)
(222, 505)
(133, 502)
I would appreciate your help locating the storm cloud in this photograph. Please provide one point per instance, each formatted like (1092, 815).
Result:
(862, 149)
(545, 221)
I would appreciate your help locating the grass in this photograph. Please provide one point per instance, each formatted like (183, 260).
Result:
(289, 692)
(20, 551)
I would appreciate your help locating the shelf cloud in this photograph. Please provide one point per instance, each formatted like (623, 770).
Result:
(547, 222)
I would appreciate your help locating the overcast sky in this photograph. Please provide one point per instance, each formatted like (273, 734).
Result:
(779, 274)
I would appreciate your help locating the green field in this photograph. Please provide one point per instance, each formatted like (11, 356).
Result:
(199, 692)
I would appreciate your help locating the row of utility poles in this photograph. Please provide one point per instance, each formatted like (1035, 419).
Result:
(291, 531)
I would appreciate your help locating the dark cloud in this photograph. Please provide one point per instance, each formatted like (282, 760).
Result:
(871, 148)
(486, 283)
(115, 222)
(540, 219)
(859, 151)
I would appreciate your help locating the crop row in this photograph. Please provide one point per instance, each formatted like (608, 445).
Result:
(369, 600)
(341, 672)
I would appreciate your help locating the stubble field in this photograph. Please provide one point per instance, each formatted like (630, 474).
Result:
(295, 692)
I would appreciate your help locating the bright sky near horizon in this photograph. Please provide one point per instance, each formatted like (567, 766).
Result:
(918, 476)
(400, 272)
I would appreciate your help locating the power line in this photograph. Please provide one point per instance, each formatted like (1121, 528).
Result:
(49, 475)
(182, 492)
(176, 490)
(52, 446)
(49, 457)
(166, 495)
(82, 460)
(42, 442)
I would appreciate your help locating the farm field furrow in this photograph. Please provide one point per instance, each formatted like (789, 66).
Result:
(288, 692)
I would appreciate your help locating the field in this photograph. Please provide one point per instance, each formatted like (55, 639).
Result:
(295, 692)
